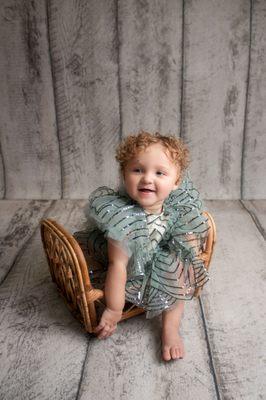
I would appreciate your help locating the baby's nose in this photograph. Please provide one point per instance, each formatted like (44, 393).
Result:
(147, 178)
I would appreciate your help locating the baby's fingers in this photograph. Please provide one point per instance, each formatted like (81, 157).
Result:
(98, 328)
(112, 330)
(105, 332)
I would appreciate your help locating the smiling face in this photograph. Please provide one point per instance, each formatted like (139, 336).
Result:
(150, 177)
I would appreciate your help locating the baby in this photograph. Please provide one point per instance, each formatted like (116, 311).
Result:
(154, 231)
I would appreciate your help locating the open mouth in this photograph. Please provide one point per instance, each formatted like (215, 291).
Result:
(143, 190)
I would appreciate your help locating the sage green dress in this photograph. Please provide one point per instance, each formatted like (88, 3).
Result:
(163, 264)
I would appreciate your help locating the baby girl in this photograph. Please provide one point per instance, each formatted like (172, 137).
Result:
(154, 230)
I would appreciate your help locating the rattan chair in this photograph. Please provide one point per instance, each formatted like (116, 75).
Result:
(70, 260)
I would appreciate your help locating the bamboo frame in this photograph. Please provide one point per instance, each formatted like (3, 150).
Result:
(69, 270)
(206, 255)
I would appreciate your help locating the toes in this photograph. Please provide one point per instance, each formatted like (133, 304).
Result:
(166, 354)
(174, 353)
(181, 353)
(171, 353)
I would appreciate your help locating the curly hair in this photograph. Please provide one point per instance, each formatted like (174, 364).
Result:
(133, 144)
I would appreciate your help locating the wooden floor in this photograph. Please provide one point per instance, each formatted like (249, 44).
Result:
(45, 354)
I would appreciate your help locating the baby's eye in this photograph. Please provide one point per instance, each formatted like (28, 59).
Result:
(160, 173)
(137, 170)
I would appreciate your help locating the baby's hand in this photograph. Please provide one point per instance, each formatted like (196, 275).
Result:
(108, 323)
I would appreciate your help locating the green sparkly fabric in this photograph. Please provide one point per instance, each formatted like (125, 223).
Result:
(163, 263)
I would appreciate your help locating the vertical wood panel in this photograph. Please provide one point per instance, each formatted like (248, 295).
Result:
(254, 161)
(150, 64)
(28, 129)
(86, 64)
(215, 74)
(84, 57)
(2, 175)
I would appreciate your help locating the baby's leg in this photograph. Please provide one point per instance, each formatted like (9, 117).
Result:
(172, 343)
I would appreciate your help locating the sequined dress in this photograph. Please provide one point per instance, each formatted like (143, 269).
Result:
(163, 249)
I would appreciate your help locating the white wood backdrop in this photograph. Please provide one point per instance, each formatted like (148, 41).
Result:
(78, 75)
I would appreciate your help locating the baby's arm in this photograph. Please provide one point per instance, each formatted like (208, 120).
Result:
(114, 291)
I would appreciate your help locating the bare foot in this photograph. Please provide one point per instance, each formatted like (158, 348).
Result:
(108, 323)
(172, 342)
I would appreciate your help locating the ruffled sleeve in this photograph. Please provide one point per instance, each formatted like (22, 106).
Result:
(123, 221)
(106, 209)
(184, 207)
(188, 227)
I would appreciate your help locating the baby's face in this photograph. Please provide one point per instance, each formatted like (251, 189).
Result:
(150, 177)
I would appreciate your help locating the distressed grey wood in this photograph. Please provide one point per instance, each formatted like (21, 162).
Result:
(107, 53)
(84, 57)
(42, 346)
(254, 163)
(150, 34)
(129, 363)
(28, 128)
(2, 176)
(257, 209)
(116, 55)
(19, 219)
(216, 49)
(234, 303)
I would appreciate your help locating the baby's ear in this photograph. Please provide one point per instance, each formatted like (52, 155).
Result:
(176, 185)
(178, 181)
(179, 177)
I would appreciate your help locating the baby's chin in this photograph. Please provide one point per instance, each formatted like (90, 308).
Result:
(152, 208)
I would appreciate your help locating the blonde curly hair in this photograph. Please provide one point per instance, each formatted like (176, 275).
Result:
(134, 144)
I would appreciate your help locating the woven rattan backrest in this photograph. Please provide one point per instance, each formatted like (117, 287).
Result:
(68, 269)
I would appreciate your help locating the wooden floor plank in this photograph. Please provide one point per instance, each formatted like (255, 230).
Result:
(128, 365)
(257, 209)
(234, 303)
(43, 349)
(19, 219)
(42, 346)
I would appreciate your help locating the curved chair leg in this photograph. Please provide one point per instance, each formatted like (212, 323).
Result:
(206, 255)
